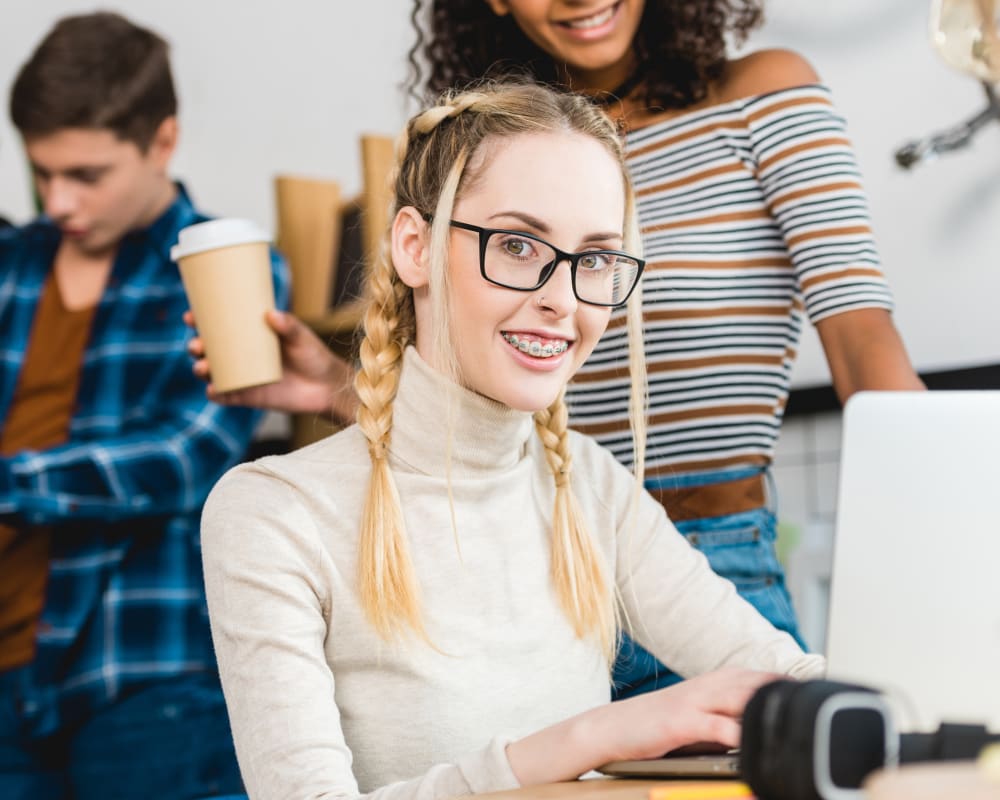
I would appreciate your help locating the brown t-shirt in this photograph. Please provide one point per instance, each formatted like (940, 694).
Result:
(39, 418)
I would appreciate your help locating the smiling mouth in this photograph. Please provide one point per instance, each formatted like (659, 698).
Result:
(536, 346)
(593, 21)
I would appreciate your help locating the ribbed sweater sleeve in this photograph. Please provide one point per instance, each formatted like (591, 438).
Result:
(267, 595)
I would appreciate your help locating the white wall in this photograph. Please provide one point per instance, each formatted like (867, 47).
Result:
(937, 226)
(265, 86)
(270, 86)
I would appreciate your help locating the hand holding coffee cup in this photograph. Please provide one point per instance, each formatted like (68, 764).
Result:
(225, 265)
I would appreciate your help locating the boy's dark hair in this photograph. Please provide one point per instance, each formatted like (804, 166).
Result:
(680, 47)
(97, 71)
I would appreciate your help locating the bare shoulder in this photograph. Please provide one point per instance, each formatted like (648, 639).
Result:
(765, 71)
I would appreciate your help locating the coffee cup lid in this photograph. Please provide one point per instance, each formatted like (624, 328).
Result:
(214, 234)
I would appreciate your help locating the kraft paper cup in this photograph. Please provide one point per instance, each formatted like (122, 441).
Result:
(225, 265)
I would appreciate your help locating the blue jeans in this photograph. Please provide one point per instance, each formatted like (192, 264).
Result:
(739, 547)
(168, 741)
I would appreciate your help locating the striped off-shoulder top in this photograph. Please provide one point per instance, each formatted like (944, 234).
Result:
(753, 217)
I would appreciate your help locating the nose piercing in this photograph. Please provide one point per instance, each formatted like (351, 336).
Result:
(541, 301)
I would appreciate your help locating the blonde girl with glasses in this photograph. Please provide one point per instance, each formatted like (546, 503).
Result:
(427, 604)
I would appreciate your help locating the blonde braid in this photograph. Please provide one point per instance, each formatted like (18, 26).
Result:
(387, 584)
(578, 569)
(386, 581)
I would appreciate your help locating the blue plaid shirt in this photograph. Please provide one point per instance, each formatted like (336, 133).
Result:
(125, 603)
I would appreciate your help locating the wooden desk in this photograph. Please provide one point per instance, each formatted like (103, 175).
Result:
(931, 781)
(598, 788)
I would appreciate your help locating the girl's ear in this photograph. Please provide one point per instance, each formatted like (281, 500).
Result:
(499, 7)
(411, 247)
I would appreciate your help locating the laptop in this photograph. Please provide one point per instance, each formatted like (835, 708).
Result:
(915, 592)
(710, 765)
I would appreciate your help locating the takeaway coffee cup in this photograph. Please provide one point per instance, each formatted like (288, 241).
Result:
(226, 268)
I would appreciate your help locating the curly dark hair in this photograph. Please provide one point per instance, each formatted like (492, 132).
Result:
(680, 48)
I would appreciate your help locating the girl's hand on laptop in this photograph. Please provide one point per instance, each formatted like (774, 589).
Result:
(313, 380)
(699, 711)
(706, 709)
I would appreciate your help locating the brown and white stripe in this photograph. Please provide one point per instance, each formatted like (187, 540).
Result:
(753, 218)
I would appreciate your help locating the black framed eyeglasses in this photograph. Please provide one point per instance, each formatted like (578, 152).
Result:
(524, 262)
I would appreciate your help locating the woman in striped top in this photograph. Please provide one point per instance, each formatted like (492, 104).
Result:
(753, 219)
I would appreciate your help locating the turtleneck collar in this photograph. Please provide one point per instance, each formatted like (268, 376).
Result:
(432, 415)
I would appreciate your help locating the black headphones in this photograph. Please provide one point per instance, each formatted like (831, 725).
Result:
(819, 740)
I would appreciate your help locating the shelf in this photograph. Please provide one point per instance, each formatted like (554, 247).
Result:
(340, 322)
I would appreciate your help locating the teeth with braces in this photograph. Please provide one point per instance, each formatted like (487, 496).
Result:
(535, 348)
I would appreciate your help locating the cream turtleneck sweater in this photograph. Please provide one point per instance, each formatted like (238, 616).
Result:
(321, 707)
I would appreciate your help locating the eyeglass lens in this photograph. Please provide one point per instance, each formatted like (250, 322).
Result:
(522, 263)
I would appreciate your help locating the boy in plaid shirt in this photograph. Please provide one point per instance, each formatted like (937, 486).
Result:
(108, 446)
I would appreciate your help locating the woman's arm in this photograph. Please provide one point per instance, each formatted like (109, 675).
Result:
(864, 351)
(813, 185)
